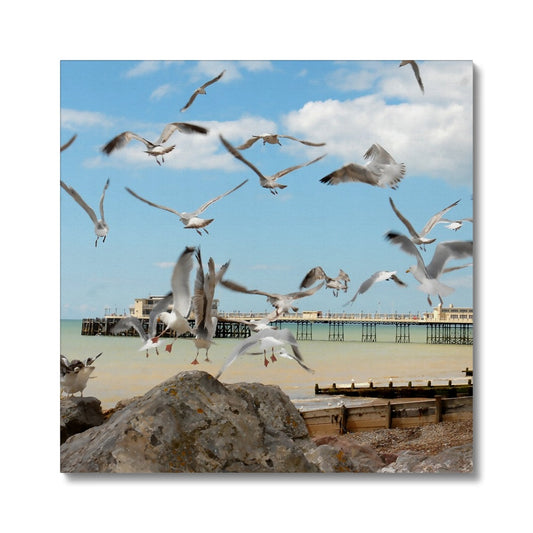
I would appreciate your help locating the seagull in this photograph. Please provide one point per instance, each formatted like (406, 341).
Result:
(428, 276)
(268, 182)
(381, 275)
(75, 374)
(455, 224)
(133, 322)
(420, 238)
(205, 323)
(201, 90)
(340, 283)
(273, 138)
(176, 320)
(190, 220)
(283, 303)
(255, 325)
(154, 149)
(68, 143)
(381, 170)
(268, 339)
(100, 227)
(416, 70)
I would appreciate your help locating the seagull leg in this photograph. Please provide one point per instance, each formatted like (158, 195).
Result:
(429, 301)
(265, 360)
(273, 357)
(195, 360)
(199, 232)
(440, 299)
(96, 242)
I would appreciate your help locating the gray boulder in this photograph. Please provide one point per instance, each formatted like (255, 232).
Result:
(79, 414)
(194, 423)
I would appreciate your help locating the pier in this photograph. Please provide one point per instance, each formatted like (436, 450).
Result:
(443, 325)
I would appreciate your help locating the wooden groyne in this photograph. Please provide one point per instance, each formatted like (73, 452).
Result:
(429, 390)
(393, 414)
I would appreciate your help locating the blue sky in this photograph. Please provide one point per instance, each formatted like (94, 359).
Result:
(271, 241)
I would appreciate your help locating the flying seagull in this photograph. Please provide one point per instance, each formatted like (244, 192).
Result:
(205, 322)
(428, 276)
(75, 374)
(68, 143)
(100, 226)
(268, 339)
(273, 138)
(283, 303)
(455, 224)
(382, 275)
(190, 220)
(416, 70)
(148, 337)
(340, 283)
(177, 319)
(255, 325)
(381, 170)
(201, 90)
(420, 237)
(154, 149)
(268, 182)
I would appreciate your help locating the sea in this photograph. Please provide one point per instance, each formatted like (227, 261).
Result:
(123, 371)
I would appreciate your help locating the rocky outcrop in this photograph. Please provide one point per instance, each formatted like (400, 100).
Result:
(79, 414)
(194, 423)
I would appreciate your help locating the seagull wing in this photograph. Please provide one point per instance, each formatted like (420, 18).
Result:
(348, 173)
(446, 251)
(307, 143)
(239, 350)
(342, 275)
(303, 294)
(406, 223)
(248, 143)
(290, 169)
(238, 155)
(435, 219)
(451, 269)
(102, 199)
(90, 360)
(80, 201)
(215, 79)
(406, 245)
(416, 70)
(180, 282)
(191, 100)
(158, 308)
(129, 322)
(203, 207)
(313, 275)
(122, 139)
(232, 285)
(68, 143)
(152, 204)
(182, 127)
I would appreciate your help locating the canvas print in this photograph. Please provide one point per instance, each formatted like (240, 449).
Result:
(267, 266)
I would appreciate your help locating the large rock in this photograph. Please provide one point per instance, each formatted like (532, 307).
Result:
(79, 414)
(194, 423)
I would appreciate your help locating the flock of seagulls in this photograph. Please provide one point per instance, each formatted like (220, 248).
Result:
(182, 305)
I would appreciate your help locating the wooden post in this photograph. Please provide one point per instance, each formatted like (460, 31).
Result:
(388, 418)
(344, 418)
(438, 409)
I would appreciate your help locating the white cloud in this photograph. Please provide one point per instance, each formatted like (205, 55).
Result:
(432, 136)
(161, 91)
(72, 119)
(146, 67)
